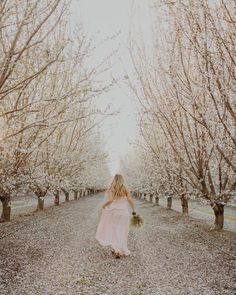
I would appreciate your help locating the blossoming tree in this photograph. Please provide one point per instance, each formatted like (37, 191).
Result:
(186, 88)
(47, 93)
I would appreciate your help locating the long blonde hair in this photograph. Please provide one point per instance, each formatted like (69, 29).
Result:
(117, 188)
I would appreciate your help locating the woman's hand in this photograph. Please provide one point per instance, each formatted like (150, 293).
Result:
(106, 204)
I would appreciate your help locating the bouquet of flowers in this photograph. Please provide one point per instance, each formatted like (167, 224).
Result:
(136, 220)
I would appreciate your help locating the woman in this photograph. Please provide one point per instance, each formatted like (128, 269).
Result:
(113, 227)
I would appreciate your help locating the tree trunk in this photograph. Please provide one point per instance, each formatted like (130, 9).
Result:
(66, 193)
(157, 200)
(219, 215)
(40, 205)
(6, 210)
(75, 195)
(184, 203)
(56, 198)
(169, 203)
(40, 193)
(151, 198)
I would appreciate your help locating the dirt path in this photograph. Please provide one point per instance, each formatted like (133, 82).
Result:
(56, 253)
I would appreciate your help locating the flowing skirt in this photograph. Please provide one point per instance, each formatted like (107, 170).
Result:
(113, 229)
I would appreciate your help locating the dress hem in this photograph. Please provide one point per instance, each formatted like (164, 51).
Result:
(109, 244)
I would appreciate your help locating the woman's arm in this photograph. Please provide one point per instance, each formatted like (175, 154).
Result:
(109, 200)
(131, 202)
(106, 204)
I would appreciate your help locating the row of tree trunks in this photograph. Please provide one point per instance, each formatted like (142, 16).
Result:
(77, 195)
(6, 207)
(218, 208)
(155, 199)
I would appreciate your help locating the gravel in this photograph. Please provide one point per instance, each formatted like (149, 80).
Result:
(54, 252)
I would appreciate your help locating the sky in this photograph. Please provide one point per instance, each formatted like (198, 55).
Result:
(102, 19)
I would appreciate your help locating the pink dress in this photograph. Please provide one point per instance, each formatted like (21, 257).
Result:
(113, 227)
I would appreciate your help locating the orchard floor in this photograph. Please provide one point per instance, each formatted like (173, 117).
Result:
(54, 252)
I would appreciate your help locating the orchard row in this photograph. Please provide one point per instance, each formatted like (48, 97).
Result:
(185, 85)
(49, 92)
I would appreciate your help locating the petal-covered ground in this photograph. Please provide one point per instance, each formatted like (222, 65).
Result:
(55, 252)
